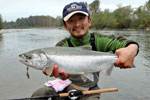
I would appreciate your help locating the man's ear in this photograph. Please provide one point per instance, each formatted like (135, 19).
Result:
(65, 26)
(90, 20)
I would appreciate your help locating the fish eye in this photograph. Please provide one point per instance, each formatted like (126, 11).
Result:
(29, 57)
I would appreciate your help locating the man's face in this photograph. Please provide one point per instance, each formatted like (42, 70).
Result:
(78, 25)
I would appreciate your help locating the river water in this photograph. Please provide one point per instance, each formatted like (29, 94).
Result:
(133, 84)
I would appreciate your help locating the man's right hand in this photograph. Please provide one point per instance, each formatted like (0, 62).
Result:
(63, 75)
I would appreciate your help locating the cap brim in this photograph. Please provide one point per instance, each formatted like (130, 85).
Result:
(72, 13)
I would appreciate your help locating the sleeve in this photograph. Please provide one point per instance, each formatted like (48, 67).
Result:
(106, 43)
(63, 43)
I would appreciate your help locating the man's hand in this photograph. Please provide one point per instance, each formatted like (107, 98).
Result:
(126, 56)
(55, 73)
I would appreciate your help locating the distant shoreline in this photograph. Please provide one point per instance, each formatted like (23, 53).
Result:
(2, 31)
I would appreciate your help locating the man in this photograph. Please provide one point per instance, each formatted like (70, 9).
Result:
(77, 21)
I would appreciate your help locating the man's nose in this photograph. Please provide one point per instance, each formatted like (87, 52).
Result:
(76, 23)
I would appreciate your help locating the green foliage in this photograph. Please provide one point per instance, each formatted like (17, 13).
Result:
(123, 16)
(104, 20)
(139, 16)
(59, 21)
(35, 21)
(8, 25)
(147, 7)
(142, 16)
(94, 7)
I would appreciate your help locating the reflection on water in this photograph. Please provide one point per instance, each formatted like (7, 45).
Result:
(146, 54)
(133, 84)
(1, 43)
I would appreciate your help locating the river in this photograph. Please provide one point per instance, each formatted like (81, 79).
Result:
(133, 84)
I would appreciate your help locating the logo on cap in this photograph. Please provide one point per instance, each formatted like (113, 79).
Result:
(74, 7)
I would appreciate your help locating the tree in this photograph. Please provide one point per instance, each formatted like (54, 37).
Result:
(109, 19)
(139, 15)
(147, 7)
(94, 7)
(34, 21)
(103, 20)
(59, 21)
(8, 25)
(123, 16)
(147, 19)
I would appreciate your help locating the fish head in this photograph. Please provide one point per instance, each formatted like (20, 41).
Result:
(36, 60)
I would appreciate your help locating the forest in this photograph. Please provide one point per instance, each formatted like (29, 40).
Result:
(124, 17)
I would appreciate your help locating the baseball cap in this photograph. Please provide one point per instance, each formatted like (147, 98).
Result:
(73, 8)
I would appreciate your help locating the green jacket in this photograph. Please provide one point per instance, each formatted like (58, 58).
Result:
(103, 43)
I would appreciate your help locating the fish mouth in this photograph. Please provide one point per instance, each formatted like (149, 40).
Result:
(29, 62)
(23, 60)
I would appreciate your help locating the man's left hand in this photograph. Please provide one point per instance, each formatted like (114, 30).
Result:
(126, 56)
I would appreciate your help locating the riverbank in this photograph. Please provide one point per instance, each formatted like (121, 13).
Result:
(10, 30)
(2, 31)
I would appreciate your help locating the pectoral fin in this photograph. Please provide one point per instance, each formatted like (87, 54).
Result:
(86, 76)
(106, 69)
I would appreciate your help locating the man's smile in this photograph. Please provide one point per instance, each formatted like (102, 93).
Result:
(78, 28)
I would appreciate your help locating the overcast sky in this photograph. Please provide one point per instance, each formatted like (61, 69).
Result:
(10, 10)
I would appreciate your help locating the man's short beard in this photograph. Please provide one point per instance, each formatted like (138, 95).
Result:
(80, 27)
(80, 36)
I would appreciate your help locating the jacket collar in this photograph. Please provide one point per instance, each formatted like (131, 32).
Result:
(79, 42)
